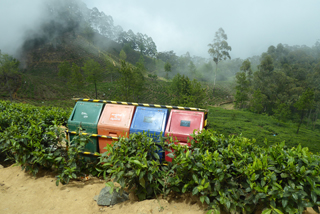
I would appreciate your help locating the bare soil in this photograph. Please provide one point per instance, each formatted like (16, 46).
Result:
(20, 192)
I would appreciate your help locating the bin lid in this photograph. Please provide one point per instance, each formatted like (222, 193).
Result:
(150, 119)
(185, 122)
(116, 116)
(86, 112)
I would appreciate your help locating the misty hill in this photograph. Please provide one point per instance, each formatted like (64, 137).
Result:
(73, 33)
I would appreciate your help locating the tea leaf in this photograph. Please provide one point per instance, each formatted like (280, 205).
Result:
(207, 200)
(195, 178)
(142, 182)
(195, 191)
(266, 211)
(278, 211)
(284, 202)
(314, 197)
(202, 198)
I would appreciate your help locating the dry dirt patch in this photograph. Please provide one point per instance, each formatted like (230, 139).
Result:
(23, 193)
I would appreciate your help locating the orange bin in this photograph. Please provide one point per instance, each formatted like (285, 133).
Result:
(115, 121)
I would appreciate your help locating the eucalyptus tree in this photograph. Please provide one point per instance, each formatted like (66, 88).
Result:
(219, 49)
(243, 87)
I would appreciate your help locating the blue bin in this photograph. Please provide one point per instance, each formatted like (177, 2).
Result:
(151, 120)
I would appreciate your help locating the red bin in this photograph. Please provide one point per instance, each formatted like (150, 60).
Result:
(115, 121)
(181, 124)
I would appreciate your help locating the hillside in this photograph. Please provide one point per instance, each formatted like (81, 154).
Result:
(40, 81)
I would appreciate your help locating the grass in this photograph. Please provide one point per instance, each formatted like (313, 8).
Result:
(261, 127)
(227, 122)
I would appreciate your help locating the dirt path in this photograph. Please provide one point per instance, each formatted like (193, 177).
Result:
(23, 193)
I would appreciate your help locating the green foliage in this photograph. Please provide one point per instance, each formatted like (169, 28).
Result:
(243, 87)
(185, 92)
(282, 111)
(123, 55)
(76, 76)
(167, 68)
(257, 102)
(305, 102)
(72, 165)
(234, 175)
(262, 126)
(64, 70)
(9, 76)
(134, 163)
(131, 81)
(283, 75)
(32, 137)
(230, 174)
(93, 73)
(140, 65)
(153, 77)
(219, 49)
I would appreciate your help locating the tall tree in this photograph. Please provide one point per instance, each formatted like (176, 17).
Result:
(185, 92)
(123, 55)
(93, 73)
(193, 70)
(167, 69)
(305, 103)
(257, 102)
(243, 86)
(131, 81)
(140, 65)
(9, 76)
(219, 49)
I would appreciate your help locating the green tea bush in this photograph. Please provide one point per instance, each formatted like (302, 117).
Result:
(231, 174)
(73, 164)
(33, 138)
(235, 175)
(134, 163)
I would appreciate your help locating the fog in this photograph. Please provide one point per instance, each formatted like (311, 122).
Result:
(17, 18)
(187, 25)
(181, 26)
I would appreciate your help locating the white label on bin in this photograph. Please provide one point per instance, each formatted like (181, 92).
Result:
(115, 117)
(84, 114)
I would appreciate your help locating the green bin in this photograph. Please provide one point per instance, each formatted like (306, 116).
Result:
(86, 115)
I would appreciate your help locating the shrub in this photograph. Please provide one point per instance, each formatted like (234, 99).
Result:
(235, 175)
(32, 137)
(134, 163)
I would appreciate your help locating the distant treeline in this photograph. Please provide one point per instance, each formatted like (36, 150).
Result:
(286, 84)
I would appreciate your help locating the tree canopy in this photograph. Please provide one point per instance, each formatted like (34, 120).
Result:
(9, 76)
(93, 73)
(219, 49)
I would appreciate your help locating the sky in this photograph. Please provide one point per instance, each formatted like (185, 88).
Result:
(17, 17)
(186, 25)
(189, 25)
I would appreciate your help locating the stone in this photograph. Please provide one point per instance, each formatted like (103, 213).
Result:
(1, 167)
(96, 197)
(107, 199)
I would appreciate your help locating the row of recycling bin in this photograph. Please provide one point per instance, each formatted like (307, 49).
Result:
(121, 120)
